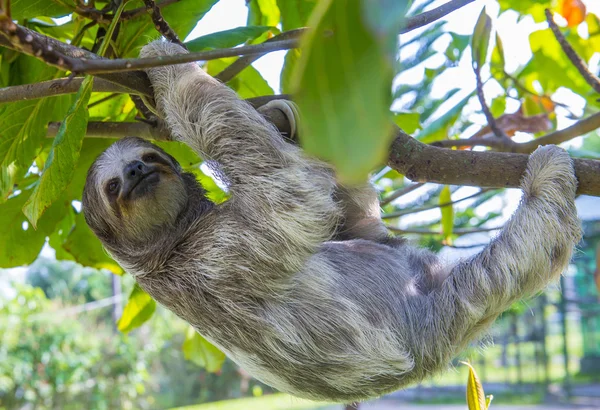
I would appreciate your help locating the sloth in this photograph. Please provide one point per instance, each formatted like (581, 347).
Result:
(294, 277)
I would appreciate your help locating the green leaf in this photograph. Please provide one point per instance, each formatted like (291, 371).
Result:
(441, 125)
(249, 83)
(343, 89)
(498, 57)
(498, 106)
(20, 244)
(475, 397)
(25, 9)
(447, 213)
(58, 170)
(263, 13)
(408, 121)
(200, 351)
(481, 39)
(295, 13)
(182, 16)
(139, 308)
(488, 400)
(228, 38)
(534, 8)
(287, 72)
(86, 248)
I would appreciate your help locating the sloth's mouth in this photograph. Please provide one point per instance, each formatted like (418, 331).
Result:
(143, 185)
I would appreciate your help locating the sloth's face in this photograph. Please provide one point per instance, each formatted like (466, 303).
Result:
(133, 189)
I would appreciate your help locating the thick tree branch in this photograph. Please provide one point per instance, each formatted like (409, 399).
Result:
(136, 82)
(577, 61)
(420, 162)
(424, 163)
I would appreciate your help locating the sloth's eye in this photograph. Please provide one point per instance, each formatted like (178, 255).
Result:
(149, 157)
(113, 186)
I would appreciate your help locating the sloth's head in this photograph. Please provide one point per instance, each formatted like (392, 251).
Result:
(133, 191)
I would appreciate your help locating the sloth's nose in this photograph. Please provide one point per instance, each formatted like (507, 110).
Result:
(135, 170)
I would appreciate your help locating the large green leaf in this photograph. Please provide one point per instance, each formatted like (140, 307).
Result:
(200, 351)
(25, 9)
(85, 248)
(182, 16)
(19, 242)
(139, 308)
(228, 38)
(295, 13)
(58, 170)
(343, 89)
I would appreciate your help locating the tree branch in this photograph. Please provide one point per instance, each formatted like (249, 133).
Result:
(577, 61)
(399, 193)
(392, 215)
(56, 87)
(136, 82)
(424, 163)
(161, 24)
(457, 231)
(429, 17)
(578, 129)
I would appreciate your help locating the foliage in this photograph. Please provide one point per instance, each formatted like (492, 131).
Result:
(48, 364)
(344, 84)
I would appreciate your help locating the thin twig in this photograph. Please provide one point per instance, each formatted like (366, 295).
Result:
(498, 132)
(428, 17)
(104, 17)
(134, 64)
(52, 88)
(238, 65)
(578, 129)
(392, 215)
(161, 24)
(577, 61)
(401, 192)
(456, 231)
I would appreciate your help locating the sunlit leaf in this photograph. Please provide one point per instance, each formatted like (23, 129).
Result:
(63, 157)
(200, 351)
(535, 8)
(475, 397)
(447, 214)
(408, 121)
(263, 12)
(440, 125)
(24, 9)
(488, 400)
(228, 38)
(19, 242)
(498, 57)
(139, 308)
(342, 86)
(481, 39)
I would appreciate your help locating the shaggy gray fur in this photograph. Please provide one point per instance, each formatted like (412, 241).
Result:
(295, 278)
